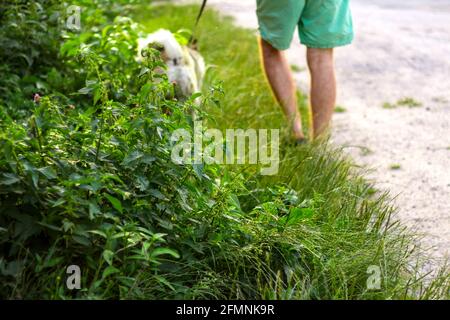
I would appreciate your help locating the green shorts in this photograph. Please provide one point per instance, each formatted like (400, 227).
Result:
(321, 23)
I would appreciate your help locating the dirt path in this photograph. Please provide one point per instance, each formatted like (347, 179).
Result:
(401, 50)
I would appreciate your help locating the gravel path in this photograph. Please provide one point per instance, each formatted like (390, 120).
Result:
(401, 50)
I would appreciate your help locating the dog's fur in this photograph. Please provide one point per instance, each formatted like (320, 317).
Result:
(185, 66)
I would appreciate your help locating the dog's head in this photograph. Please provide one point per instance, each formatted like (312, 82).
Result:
(159, 47)
(165, 42)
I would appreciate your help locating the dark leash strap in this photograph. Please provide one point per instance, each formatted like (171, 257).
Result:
(200, 13)
(197, 20)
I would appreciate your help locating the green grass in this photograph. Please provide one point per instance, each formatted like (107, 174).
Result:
(340, 109)
(404, 102)
(395, 166)
(409, 102)
(388, 105)
(328, 255)
(295, 68)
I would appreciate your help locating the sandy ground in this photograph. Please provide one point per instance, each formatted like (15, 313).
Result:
(401, 50)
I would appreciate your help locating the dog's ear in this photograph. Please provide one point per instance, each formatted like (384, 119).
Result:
(193, 44)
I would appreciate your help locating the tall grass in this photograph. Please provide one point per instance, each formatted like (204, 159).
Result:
(346, 228)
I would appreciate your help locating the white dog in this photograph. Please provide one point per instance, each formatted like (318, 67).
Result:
(185, 66)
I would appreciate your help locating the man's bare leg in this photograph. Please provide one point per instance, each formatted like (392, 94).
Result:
(283, 86)
(323, 87)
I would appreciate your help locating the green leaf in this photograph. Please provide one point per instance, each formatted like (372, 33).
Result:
(28, 59)
(165, 282)
(115, 202)
(127, 281)
(106, 30)
(133, 156)
(142, 183)
(198, 170)
(97, 95)
(69, 48)
(297, 215)
(93, 210)
(145, 91)
(98, 232)
(196, 95)
(48, 172)
(109, 270)
(85, 90)
(82, 240)
(183, 36)
(67, 225)
(144, 71)
(50, 226)
(91, 85)
(58, 202)
(162, 251)
(159, 237)
(35, 179)
(157, 194)
(147, 159)
(53, 262)
(9, 179)
(108, 255)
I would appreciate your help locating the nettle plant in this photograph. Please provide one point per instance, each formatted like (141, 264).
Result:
(88, 179)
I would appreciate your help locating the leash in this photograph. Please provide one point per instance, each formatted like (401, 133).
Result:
(197, 20)
(200, 13)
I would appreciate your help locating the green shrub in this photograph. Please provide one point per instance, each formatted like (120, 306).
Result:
(86, 178)
(89, 180)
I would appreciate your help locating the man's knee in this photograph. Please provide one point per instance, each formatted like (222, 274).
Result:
(319, 58)
(268, 50)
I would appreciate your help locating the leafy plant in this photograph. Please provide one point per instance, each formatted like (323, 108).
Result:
(86, 176)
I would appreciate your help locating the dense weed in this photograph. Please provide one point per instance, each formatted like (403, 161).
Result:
(86, 177)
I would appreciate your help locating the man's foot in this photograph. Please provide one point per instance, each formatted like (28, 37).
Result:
(297, 129)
